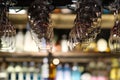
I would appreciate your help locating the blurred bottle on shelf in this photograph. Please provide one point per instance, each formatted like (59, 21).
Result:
(59, 72)
(102, 73)
(64, 43)
(56, 10)
(76, 74)
(56, 44)
(95, 70)
(118, 73)
(57, 47)
(92, 47)
(63, 11)
(38, 71)
(81, 69)
(67, 72)
(25, 70)
(102, 45)
(45, 69)
(3, 73)
(19, 41)
(29, 44)
(11, 71)
(85, 75)
(114, 70)
(18, 71)
(66, 11)
(91, 69)
(31, 69)
(90, 72)
(52, 71)
(25, 42)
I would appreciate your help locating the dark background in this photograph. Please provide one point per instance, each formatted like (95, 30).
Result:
(26, 3)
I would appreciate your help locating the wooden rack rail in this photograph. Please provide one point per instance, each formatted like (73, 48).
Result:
(64, 57)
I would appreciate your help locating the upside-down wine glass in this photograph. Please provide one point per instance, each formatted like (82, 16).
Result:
(86, 24)
(41, 28)
(7, 32)
(114, 40)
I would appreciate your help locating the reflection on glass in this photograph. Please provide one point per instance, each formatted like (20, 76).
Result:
(7, 32)
(41, 28)
(114, 40)
(87, 23)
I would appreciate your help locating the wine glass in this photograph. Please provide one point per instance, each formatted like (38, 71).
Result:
(114, 40)
(41, 27)
(87, 22)
(7, 33)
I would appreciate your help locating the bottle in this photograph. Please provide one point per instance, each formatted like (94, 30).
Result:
(59, 72)
(66, 11)
(102, 45)
(18, 72)
(114, 70)
(19, 41)
(54, 48)
(92, 69)
(25, 70)
(29, 44)
(86, 74)
(75, 72)
(38, 71)
(11, 72)
(45, 69)
(52, 71)
(67, 72)
(3, 73)
(31, 70)
(118, 72)
(102, 70)
(64, 45)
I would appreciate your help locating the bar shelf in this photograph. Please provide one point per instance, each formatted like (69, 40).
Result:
(64, 57)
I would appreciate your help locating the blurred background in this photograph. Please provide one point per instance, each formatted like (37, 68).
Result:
(26, 62)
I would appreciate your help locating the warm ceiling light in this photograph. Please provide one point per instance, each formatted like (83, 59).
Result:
(17, 11)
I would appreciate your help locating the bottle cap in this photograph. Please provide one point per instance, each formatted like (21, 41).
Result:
(32, 63)
(45, 60)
